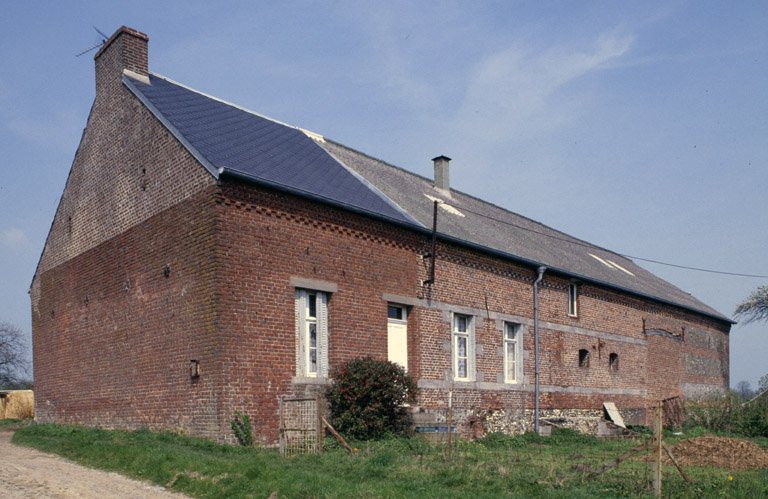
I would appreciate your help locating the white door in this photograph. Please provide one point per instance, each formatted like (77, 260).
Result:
(397, 335)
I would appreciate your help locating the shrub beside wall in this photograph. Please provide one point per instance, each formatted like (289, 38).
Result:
(730, 414)
(368, 396)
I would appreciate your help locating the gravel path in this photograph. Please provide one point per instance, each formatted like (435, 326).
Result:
(28, 473)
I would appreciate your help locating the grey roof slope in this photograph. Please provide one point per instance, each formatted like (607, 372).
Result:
(492, 227)
(222, 135)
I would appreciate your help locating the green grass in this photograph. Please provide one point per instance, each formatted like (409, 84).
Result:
(525, 466)
(14, 424)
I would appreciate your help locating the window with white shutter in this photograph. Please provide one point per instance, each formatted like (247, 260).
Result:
(312, 333)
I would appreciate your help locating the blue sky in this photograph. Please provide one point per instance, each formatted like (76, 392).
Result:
(641, 127)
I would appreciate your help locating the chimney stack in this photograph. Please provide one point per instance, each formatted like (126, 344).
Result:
(442, 172)
(126, 50)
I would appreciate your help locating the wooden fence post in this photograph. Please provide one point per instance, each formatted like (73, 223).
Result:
(450, 424)
(658, 441)
(320, 427)
(282, 429)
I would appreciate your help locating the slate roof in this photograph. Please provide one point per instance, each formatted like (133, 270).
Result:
(222, 135)
(227, 139)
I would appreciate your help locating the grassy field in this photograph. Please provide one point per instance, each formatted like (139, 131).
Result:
(524, 466)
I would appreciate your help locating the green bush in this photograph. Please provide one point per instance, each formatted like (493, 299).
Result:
(728, 414)
(241, 426)
(752, 419)
(367, 398)
(569, 435)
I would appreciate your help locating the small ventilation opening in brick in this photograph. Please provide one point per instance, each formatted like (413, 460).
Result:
(613, 362)
(583, 358)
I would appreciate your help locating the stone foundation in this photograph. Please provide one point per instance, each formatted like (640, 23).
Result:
(474, 423)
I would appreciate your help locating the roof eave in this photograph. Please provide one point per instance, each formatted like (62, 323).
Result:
(245, 177)
(234, 174)
(572, 275)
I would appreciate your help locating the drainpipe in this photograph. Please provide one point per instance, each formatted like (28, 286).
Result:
(536, 341)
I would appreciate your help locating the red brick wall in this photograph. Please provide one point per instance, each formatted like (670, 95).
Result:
(229, 303)
(113, 334)
(268, 237)
(127, 168)
(119, 324)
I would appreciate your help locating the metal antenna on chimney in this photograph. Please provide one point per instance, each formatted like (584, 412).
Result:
(103, 40)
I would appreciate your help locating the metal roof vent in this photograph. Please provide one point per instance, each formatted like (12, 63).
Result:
(442, 172)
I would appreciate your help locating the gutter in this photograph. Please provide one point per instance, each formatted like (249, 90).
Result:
(541, 271)
(415, 226)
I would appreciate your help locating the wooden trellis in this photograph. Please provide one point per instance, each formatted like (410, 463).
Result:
(301, 427)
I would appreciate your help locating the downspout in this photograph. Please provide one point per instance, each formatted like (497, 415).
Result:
(541, 271)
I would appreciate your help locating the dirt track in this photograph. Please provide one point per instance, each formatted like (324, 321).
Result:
(27, 473)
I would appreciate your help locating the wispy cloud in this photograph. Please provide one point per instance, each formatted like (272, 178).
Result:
(59, 130)
(402, 57)
(14, 238)
(517, 90)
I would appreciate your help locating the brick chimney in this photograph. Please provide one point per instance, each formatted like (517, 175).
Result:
(442, 172)
(126, 50)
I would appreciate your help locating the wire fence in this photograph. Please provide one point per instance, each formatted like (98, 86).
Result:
(301, 430)
(633, 463)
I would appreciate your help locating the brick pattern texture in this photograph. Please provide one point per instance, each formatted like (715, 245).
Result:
(152, 263)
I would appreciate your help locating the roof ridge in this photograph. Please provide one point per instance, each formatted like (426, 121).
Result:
(576, 240)
(309, 133)
(377, 159)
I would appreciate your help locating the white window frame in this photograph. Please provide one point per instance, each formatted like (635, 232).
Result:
(305, 323)
(402, 321)
(404, 310)
(573, 299)
(512, 337)
(468, 335)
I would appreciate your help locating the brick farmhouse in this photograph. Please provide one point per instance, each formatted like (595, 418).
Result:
(205, 259)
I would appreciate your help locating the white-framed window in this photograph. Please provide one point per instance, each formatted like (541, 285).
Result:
(512, 352)
(573, 299)
(311, 333)
(397, 334)
(463, 347)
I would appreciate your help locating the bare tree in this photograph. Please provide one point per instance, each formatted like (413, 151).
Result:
(744, 389)
(13, 364)
(755, 307)
(762, 384)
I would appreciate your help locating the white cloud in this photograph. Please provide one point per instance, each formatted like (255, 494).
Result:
(14, 238)
(516, 91)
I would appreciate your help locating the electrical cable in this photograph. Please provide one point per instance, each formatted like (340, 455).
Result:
(587, 245)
